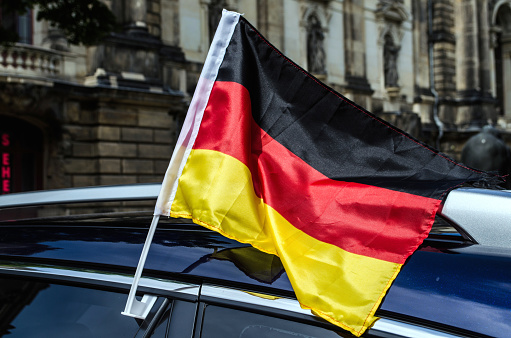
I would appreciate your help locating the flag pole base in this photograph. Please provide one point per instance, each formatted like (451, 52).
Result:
(140, 309)
(134, 307)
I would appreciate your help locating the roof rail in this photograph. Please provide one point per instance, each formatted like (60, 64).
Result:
(128, 192)
(482, 215)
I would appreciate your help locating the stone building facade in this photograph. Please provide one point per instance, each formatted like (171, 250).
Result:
(109, 114)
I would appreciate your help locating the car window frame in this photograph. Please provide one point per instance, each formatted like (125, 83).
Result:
(289, 309)
(167, 291)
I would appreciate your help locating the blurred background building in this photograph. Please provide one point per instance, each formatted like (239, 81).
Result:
(74, 115)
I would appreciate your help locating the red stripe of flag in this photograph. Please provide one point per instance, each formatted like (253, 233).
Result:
(376, 222)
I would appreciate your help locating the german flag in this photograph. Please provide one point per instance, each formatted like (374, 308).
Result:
(270, 156)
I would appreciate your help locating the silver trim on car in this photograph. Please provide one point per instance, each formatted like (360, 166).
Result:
(383, 325)
(127, 192)
(94, 276)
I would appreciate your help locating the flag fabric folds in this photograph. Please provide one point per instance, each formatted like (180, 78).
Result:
(269, 155)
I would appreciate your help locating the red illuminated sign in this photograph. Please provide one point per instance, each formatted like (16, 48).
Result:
(5, 164)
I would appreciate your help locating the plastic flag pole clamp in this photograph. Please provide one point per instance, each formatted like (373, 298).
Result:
(134, 307)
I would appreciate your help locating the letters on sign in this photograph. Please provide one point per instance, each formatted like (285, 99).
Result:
(5, 162)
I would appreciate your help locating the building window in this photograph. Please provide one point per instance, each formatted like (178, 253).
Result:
(20, 24)
(24, 27)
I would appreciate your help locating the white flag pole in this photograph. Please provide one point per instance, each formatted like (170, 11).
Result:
(228, 22)
(134, 307)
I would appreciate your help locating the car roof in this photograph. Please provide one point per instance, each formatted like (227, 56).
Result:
(480, 215)
(449, 281)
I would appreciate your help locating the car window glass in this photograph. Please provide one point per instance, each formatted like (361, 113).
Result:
(182, 318)
(220, 322)
(35, 309)
(163, 325)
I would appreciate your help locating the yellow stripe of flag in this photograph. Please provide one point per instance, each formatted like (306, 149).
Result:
(216, 191)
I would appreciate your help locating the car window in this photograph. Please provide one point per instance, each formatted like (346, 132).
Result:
(36, 309)
(221, 322)
(177, 321)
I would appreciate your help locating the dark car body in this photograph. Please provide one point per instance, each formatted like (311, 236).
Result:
(211, 286)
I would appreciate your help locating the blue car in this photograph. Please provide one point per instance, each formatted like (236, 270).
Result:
(67, 260)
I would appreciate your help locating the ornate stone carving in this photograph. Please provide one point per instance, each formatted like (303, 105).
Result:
(56, 40)
(390, 55)
(138, 12)
(391, 14)
(315, 46)
(314, 22)
(494, 36)
(392, 10)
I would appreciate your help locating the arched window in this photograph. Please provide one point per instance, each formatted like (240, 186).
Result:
(21, 156)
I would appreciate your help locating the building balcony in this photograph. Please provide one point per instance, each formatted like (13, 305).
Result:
(30, 64)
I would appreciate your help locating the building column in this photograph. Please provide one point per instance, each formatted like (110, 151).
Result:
(501, 60)
(423, 99)
(475, 104)
(270, 20)
(357, 85)
(506, 74)
(484, 48)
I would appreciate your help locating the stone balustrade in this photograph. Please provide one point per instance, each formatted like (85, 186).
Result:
(26, 60)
